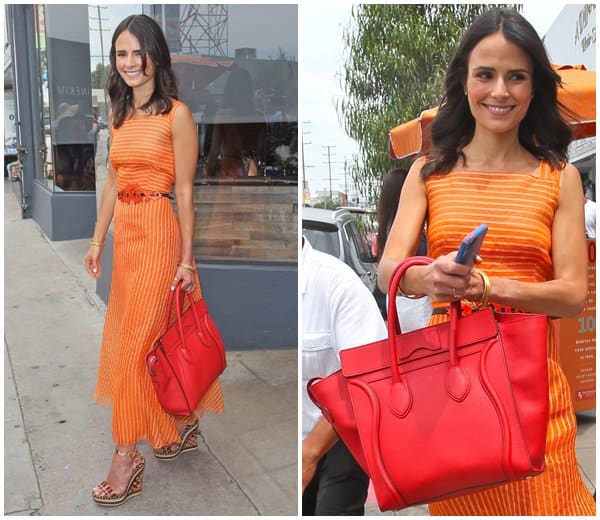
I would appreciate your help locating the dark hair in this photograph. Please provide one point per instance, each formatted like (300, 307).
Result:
(542, 132)
(388, 205)
(153, 44)
(238, 93)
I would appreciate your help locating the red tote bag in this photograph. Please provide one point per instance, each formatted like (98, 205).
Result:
(187, 358)
(445, 410)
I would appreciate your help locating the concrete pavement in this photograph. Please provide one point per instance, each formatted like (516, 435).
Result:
(57, 441)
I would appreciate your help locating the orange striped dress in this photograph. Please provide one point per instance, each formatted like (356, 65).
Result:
(518, 209)
(147, 249)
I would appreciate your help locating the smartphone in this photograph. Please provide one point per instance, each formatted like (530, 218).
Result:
(470, 246)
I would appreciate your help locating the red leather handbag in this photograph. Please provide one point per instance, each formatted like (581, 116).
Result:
(187, 358)
(445, 410)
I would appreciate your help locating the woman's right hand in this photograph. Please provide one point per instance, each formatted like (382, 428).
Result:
(93, 265)
(445, 280)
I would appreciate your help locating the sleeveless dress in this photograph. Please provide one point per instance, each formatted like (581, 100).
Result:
(518, 208)
(147, 249)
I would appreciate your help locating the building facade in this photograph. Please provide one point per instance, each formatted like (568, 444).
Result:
(237, 70)
(571, 40)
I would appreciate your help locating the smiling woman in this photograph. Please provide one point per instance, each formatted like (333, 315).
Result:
(153, 148)
(499, 157)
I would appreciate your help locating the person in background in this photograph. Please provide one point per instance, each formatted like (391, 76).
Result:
(338, 312)
(237, 142)
(499, 156)
(154, 146)
(590, 216)
(412, 313)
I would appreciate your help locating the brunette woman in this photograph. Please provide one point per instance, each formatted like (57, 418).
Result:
(500, 157)
(153, 148)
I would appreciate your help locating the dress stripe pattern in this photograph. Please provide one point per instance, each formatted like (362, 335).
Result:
(518, 208)
(147, 249)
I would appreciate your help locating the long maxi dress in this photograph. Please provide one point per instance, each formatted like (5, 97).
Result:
(147, 249)
(519, 209)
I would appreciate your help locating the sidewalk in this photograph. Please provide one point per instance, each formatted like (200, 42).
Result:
(57, 441)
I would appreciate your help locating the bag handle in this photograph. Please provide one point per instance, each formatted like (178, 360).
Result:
(178, 309)
(457, 384)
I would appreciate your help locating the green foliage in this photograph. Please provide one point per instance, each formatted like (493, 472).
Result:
(395, 61)
(326, 204)
(100, 75)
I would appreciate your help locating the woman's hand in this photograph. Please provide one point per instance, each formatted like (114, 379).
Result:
(93, 265)
(446, 281)
(187, 278)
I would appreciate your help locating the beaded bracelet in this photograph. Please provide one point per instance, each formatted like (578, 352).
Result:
(487, 287)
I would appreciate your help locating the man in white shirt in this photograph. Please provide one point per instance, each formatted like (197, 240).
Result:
(590, 218)
(338, 312)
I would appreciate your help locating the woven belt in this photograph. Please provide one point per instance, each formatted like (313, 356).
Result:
(134, 195)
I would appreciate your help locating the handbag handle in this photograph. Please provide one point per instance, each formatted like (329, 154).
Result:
(457, 384)
(178, 304)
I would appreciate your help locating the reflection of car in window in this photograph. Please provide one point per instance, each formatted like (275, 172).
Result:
(339, 233)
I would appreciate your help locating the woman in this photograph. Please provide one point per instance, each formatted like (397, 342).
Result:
(239, 131)
(153, 146)
(412, 314)
(499, 157)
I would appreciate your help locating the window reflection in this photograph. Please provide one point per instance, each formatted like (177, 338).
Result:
(237, 145)
(236, 70)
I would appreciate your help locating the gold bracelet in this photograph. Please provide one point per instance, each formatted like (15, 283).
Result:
(94, 243)
(487, 288)
(188, 267)
(409, 296)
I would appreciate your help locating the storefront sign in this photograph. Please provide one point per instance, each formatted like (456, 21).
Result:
(585, 33)
(577, 343)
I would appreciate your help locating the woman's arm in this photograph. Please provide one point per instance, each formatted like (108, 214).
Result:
(444, 280)
(565, 295)
(314, 447)
(93, 264)
(185, 148)
(215, 145)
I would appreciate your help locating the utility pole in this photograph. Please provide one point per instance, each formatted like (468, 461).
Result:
(100, 31)
(346, 176)
(305, 188)
(304, 156)
(328, 162)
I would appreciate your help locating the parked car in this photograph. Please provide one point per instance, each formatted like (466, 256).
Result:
(339, 233)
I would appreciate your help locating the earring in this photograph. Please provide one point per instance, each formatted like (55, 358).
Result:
(465, 92)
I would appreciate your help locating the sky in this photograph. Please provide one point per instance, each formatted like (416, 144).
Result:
(248, 26)
(321, 50)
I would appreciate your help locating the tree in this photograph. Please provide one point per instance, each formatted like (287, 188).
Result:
(100, 75)
(395, 61)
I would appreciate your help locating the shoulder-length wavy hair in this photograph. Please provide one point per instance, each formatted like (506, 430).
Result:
(543, 132)
(153, 45)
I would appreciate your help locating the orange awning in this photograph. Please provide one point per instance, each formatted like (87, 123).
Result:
(578, 94)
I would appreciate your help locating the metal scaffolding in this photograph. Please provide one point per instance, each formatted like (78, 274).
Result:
(204, 29)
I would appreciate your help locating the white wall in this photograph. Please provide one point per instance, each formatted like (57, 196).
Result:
(571, 38)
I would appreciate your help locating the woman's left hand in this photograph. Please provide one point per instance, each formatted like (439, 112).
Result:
(187, 279)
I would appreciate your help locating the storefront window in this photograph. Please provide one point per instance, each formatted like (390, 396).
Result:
(68, 122)
(237, 71)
